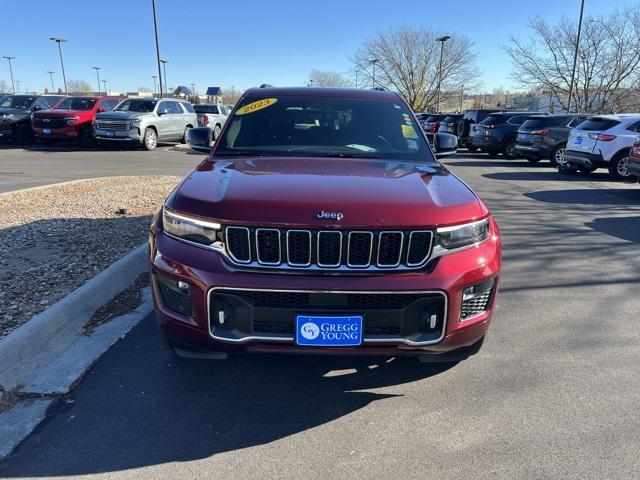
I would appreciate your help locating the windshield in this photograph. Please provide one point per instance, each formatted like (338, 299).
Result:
(77, 104)
(493, 120)
(205, 108)
(324, 126)
(18, 101)
(533, 123)
(135, 106)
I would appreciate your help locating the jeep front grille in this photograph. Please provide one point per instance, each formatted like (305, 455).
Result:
(328, 250)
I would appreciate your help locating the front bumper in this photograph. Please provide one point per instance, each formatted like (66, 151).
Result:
(6, 131)
(390, 328)
(132, 135)
(585, 159)
(71, 132)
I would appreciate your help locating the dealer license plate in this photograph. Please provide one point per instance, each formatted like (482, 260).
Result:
(46, 131)
(111, 134)
(329, 331)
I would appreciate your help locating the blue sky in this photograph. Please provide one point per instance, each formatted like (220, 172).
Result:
(244, 43)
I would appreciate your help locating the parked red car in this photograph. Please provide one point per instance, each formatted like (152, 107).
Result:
(72, 119)
(322, 222)
(633, 162)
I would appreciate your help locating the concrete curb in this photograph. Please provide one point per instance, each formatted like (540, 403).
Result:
(46, 356)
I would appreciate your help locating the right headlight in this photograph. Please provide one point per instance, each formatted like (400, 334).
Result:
(459, 236)
(190, 229)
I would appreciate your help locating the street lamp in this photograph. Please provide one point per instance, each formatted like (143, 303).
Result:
(164, 74)
(104, 82)
(51, 75)
(97, 69)
(13, 87)
(373, 77)
(155, 28)
(441, 39)
(59, 40)
(154, 83)
(575, 57)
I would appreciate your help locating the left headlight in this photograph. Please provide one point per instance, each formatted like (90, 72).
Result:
(452, 238)
(190, 229)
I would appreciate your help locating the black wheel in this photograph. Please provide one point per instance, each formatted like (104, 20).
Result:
(618, 168)
(471, 148)
(86, 137)
(587, 169)
(150, 139)
(533, 159)
(463, 129)
(557, 155)
(509, 149)
(216, 131)
(186, 131)
(567, 168)
(23, 135)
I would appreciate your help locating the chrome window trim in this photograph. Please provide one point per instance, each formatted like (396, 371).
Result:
(328, 265)
(365, 265)
(390, 232)
(429, 254)
(226, 240)
(308, 264)
(396, 340)
(258, 230)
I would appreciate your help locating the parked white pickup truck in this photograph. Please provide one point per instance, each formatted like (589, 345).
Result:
(212, 116)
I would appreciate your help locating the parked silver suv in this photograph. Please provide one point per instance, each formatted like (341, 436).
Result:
(147, 121)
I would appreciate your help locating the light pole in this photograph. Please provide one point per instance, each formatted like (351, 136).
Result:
(13, 87)
(575, 57)
(154, 83)
(104, 82)
(373, 61)
(155, 28)
(164, 74)
(18, 88)
(441, 39)
(51, 76)
(97, 69)
(59, 40)
(193, 91)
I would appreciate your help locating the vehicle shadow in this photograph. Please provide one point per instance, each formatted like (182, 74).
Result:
(73, 147)
(549, 174)
(605, 196)
(625, 228)
(491, 162)
(142, 406)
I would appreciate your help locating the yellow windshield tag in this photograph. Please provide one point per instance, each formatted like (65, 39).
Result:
(255, 106)
(408, 131)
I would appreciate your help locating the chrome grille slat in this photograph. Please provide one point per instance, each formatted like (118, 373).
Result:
(331, 251)
(112, 125)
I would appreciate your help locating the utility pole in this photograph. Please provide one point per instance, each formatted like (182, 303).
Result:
(193, 92)
(18, 89)
(51, 76)
(442, 39)
(461, 97)
(166, 84)
(59, 41)
(373, 77)
(97, 69)
(104, 82)
(13, 87)
(154, 83)
(575, 58)
(155, 27)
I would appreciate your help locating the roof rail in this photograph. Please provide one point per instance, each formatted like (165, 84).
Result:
(380, 89)
(266, 85)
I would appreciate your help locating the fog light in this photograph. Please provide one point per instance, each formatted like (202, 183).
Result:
(175, 295)
(475, 299)
(183, 285)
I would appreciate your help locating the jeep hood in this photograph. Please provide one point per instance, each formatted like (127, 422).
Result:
(288, 191)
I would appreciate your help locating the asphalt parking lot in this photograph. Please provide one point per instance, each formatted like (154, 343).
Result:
(554, 392)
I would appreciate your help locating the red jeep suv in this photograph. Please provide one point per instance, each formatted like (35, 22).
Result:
(322, 222)
(72, 119)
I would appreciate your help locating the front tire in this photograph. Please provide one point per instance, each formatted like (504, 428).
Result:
(22, 135)
(150, 139)
(533, 159)
(216, 131)
(471, 148)
(86, 137)
(186, 132)
(618, 168)
(509, 149)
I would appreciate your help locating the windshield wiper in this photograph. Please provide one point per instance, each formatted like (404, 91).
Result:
(349, 155)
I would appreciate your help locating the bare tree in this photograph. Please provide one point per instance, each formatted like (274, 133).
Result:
(328, 78)
(231, 95)
(407, 60)
(79, 86)
(608, 66)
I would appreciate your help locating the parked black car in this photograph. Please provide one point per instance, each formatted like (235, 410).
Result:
(497, 133)
(15, 115)
(545, 137)
(467, 123)
(449, 124)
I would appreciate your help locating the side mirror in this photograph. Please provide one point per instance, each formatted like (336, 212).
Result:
(199, 139)
(444, 144)
(100, 109)
(36, 108)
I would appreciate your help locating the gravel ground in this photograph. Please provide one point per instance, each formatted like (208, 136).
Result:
(53, 239)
